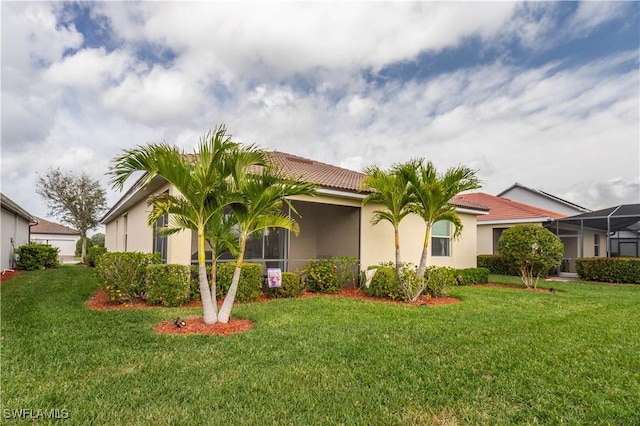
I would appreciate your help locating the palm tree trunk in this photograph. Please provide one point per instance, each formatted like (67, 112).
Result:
(225, 311)
(214, 283)
(208, 308)
(425, 250)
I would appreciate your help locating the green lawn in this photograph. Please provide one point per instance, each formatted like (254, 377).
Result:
(502, 356)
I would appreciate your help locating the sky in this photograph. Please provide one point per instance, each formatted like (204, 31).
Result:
(546, 94)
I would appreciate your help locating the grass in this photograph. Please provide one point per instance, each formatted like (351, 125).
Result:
(502, 356)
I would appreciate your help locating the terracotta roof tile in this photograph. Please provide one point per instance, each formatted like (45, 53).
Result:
(46, 227)
(328, 176)
(505, 209)
(311, 171)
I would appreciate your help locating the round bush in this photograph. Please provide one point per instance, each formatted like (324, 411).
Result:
(168, 285)
(384, 283)
(321, 276)
(291, 286)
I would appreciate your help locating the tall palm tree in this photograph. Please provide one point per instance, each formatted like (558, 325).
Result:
(202, 180)
(263, 196)
(391, 189)
(220, 235)
(431, 195)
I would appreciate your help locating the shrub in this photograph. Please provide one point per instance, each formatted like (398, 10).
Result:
(611, 269)
(320, 276)
(123, 274)
(532, 249)
(79, 246)
(470, 276)
(93, 254)
(34, 256)
(98, 239)
(411, 286)
(168, 285)
(250, 281)
(291, 286)
(346, 269)
(439, 279)
(496, 264)
(384, 283)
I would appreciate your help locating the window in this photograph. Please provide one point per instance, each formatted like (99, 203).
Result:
(441, 238)
(159, 239)
(497, 233)
(596, 245)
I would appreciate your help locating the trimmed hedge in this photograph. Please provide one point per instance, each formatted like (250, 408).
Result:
(321, 276)
(123, 274)
(609, 269)
(93, 254)
(384, 283)
(168, 285)
(439, 280)
(291, 286)
(495, 264)
(250, 283)
(471, 276)
(34, 256)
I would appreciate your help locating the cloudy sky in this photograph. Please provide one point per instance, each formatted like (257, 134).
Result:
(544, 94)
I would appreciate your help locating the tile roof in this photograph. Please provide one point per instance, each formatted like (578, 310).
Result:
(322, 174)
(46, 227)
(505, 209)
(328, 176)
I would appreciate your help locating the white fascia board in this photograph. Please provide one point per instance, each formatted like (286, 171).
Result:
(471, 211)
(516, 221)
(341, 194)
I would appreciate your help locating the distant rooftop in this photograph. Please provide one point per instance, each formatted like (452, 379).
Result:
(504, 209)
(544, 194)
(46, 227)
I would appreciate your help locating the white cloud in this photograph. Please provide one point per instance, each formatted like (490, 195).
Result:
(89, 68)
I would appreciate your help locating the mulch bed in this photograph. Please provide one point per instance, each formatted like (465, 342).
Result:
(7, 274)
(195, 325)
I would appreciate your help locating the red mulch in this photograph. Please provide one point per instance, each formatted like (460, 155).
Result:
(7, 274)
(196, 325)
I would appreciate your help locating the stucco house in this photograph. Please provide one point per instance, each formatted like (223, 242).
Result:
(541, 199)
(332, 223)
(15, 229)
(56, 235)
(505, 213)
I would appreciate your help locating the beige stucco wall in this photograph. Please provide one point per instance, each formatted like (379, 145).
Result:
(14, 228)
(378, 242)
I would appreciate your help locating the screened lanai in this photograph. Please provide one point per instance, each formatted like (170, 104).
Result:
(621, 225)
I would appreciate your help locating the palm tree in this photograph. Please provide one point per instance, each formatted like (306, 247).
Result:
(202, 180)
(220, 235)
(391, 189)
(431, 195)
(263, 196)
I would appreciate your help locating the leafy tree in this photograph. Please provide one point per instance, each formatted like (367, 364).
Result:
(78, 251)
(98, 239)
(532, 249)
(77, 201)
(202, 179)
(391, 190)
(263, 195)
(431, 193)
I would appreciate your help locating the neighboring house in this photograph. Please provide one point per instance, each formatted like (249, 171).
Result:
(623, 242)
(621, 225)
(505, 213)
(332, 223)
(541, 199)
(14, 230)
(56, 235)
